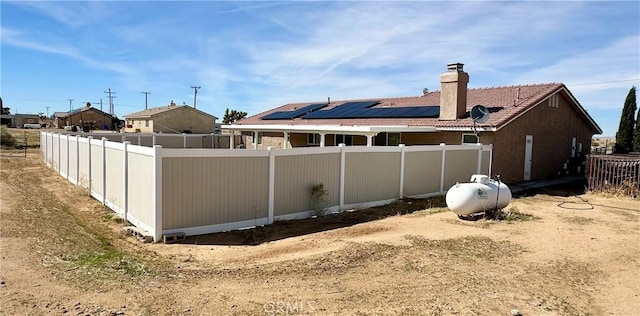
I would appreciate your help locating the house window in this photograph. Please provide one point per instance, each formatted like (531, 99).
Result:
(257, 141)
(146, 123)
(554, 101)
(344, 139)
(313, 139)
(387, 139)
(469, 139)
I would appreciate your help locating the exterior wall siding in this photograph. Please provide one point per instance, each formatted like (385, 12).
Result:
(551, 141)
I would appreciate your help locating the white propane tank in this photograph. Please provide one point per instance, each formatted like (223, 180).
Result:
(481, 194)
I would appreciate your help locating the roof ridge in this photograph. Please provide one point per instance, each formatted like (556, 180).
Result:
(519, 86)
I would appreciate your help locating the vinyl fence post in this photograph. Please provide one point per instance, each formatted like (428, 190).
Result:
(442, 166)
(184, 140)
(77, 160)
(342, 175)
(125, 180)
(157, 193)
(89, 165)
(67, 157)
(272, 183)
(104, 170)
(58, 162)
(153, 136)
(490, 159)
(401, 193)
(478, 171)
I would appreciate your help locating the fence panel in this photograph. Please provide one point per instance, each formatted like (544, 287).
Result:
(422, 172)
(96, 166)
(201, 192)
(114, 194)
(170, 141)
(140, 187)
(371, 176)
(296, 175)
(64, 167)
(55, 151)
(460, 163)
(614, 173)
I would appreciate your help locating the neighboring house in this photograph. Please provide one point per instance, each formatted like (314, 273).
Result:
(87, 117)
(21, 119)
(171, 118)
(537, 131)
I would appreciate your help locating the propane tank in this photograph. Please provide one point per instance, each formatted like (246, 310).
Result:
(480, 194)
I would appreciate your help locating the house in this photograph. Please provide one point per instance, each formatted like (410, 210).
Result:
(170, 118)
(87, 117)
(537, 131)
(21, 119)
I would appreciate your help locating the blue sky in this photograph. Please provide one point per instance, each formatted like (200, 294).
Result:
(253, 56)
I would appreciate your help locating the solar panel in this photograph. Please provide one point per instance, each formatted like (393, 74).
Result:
(283, 115)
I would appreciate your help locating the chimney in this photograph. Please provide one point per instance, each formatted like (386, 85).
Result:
(453, 92)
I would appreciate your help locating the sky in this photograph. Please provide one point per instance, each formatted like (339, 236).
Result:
(256, 55)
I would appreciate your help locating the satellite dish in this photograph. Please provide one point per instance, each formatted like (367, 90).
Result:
(479, 114)
(425, 91)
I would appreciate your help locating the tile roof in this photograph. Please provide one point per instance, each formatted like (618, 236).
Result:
(78, 110)
(504, 103)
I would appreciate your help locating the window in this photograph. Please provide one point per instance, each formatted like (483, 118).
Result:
(344, 139)
(313, 139)
(259, 140)
(387, 139)
(469, 139)
(146, 123)
(553, 101)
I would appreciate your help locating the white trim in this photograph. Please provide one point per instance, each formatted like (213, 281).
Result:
(206, 152)
(465, 129)
(343, 155)
(157, 193)
(442, 165)
(368, 204)
(208, 229)
(307, 151)
(329, 129)
(67, 170)
(104, 170)
(272, 184)
(401, 191)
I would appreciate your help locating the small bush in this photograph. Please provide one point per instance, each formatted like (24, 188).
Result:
(6, 139)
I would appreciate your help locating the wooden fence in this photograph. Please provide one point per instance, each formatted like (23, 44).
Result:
(199, 191)
(614, 173)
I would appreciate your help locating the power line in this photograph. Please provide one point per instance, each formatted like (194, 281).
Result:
(146, 93)
(602, 82)
(110, 96)
(195, 94)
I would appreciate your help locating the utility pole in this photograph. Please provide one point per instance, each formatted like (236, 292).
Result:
(70, 101)
(110, 96)
(195, 94)
(146, 93)
(100, 104)
(47, 111)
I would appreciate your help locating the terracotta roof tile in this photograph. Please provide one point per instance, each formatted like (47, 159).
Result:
(504, 103)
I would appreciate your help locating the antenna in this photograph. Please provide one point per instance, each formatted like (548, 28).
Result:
(479, 114)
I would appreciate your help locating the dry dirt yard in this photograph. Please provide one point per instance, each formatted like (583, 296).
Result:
(63, 253)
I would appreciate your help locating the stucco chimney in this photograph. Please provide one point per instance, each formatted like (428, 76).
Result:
(453, 92)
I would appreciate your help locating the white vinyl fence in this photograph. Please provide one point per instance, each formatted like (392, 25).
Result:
(199, 191)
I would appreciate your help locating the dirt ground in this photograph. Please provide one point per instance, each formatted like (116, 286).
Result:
(64, 253)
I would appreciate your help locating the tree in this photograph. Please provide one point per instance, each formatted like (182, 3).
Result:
(624, 136)
(636, 134)
(232, 116)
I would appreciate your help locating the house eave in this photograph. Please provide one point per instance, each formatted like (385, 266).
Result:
(329, 129)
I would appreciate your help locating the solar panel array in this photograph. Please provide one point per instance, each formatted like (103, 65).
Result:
(287, 115)
(362, 109)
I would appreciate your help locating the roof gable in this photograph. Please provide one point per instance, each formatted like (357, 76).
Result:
(152, 112)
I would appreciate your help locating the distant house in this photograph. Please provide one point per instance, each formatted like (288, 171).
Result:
(537, 131)
(87, 117)
(170, 118)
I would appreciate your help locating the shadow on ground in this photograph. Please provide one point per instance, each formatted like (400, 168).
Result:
(285, 229)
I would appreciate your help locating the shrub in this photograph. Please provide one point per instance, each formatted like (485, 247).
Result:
(6, 139)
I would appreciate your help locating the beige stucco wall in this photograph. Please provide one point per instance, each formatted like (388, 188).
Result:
(184, 119)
